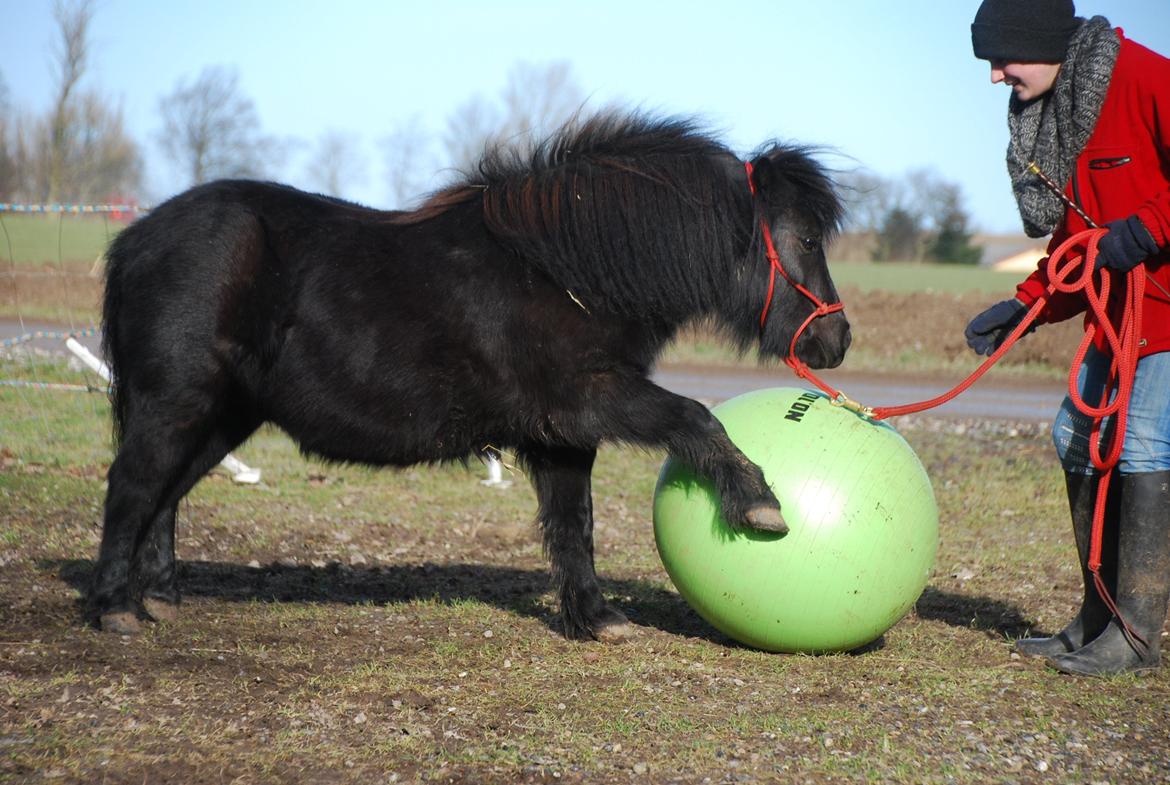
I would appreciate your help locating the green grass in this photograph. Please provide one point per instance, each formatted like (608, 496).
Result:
(54, 241)
(905, 277)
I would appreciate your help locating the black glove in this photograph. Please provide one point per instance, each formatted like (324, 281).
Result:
(1128, 244)
(989, 329)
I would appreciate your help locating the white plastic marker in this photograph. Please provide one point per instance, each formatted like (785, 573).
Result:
(239, 471)
(495, 467)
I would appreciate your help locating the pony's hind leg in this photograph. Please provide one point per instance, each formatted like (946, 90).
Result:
(561, 477)
(156, 580)
(154, 571)
(164, 452)
(138, 480)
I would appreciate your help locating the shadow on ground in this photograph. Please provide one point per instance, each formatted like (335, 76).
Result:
(973, 612)
(515, 590)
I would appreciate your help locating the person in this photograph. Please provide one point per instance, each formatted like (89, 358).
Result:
(1091, 108)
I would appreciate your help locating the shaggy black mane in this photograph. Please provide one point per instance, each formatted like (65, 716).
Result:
(626, 210)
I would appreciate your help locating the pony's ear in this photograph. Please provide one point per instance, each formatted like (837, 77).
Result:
(765, 179)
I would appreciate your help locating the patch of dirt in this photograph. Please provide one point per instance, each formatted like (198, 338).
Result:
(26, 292)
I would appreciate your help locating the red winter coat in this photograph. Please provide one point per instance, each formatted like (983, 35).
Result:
(1124, 169)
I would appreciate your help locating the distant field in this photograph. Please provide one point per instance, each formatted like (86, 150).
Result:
(903, 277)
(906, 316)
(69, 242)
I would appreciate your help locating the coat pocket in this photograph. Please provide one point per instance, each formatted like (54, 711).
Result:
(1111, 185)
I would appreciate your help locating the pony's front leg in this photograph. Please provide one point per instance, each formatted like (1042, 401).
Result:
(644, 413)
(561, 477)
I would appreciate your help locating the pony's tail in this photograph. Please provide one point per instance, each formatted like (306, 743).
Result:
(112, 303)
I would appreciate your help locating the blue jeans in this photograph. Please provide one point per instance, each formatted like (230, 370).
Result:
(1147, 432)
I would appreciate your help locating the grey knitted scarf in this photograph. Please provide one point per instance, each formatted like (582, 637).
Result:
(1052, 130)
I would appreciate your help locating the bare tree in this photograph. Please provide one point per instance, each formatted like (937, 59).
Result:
(80, 149)
(885, 213)
(470, 130)
(72, 52)
(8, 171)
(536, 99)
(336, 162)
(210, 130)
(868, 197)
(17, 163)
(105, 160)
(539, 98)
(923, 189)
(409, 162)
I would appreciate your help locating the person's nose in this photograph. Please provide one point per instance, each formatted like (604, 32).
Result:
(997, 74)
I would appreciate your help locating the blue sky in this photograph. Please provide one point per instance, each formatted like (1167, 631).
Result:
(893, 86)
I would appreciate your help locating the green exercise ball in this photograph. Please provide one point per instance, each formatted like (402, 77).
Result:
(863, 528)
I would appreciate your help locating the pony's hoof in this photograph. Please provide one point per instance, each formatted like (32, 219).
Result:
(121, 623)
(160, 610)
(766, 518)
(609, 626)
(617, 630)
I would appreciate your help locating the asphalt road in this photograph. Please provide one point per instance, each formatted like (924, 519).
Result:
(989, 398)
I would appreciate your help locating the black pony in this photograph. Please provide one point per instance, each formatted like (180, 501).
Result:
(521, 308)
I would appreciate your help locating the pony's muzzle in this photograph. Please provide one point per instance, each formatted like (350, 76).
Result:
(824, 343)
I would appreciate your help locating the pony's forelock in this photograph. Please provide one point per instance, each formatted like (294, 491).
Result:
(800, 165)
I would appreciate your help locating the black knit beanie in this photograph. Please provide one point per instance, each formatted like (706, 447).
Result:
(1024, 31)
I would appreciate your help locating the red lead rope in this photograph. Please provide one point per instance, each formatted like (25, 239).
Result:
(1071, 268)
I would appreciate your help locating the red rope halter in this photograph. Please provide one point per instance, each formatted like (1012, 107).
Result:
(821, 307)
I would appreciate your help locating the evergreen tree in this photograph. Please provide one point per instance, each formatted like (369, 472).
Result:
(951, 241)
(899, 236)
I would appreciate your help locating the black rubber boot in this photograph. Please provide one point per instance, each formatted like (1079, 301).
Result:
(1093, 616)
(1143, 583)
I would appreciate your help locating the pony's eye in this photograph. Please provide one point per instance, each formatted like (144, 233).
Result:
(809, 244)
